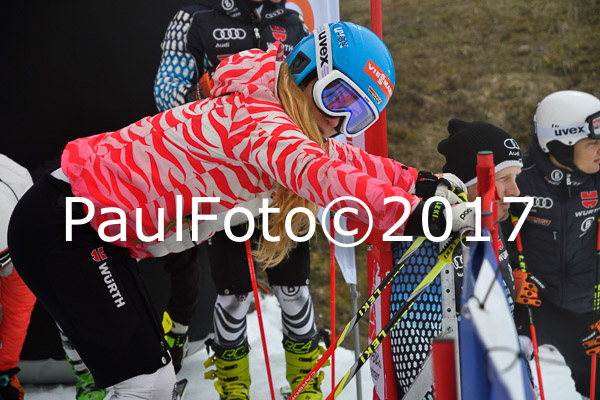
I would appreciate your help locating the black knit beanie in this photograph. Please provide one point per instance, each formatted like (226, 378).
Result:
(467, 139)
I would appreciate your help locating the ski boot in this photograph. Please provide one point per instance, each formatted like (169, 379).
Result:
(85, 387)
(300, 357)
(232, 373)
(178, 347)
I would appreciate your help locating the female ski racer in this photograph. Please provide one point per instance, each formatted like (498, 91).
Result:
(262, 135)
(197, 39)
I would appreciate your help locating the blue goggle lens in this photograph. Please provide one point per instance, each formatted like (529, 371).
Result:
(338, 96)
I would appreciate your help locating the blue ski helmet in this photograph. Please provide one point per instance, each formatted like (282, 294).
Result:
(354, 70)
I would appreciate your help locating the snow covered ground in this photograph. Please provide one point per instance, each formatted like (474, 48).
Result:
(558, 384)
(556, 375)
(201, 389)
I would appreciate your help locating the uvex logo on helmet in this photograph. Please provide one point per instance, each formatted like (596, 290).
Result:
(341, 37)
(323, 54)
(569, 131)
(589, 199)
(379, 77)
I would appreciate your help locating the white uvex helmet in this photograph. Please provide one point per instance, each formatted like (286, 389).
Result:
(562, 119)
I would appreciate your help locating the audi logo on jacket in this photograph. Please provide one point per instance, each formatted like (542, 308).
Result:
(559, 235)
(200, 36)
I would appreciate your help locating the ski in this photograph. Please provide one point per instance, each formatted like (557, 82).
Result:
(445, 257)
(361, 311)
(179, 390)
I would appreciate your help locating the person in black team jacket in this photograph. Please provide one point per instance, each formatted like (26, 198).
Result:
(201, 35)
(197, 39)
(561, 173)
(411, 342)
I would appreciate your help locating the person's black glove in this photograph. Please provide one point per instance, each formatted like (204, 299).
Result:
(463, 217)
(448, 186)
(10, 387)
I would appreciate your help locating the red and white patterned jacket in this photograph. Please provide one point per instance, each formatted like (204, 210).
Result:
(235, 146)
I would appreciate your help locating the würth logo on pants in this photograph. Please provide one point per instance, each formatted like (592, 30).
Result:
(98, 255)
(111, 285)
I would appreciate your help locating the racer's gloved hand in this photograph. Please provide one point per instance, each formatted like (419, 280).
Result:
(10, 387)
(462, 218)
(447, 186)
(591, 339)
(528, 288)
(454, 184)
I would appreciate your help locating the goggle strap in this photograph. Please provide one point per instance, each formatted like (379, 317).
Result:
(323, 56)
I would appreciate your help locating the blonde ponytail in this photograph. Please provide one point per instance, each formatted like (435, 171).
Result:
(297, 106)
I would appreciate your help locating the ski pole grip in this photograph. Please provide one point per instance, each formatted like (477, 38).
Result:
(486, 190)
(485, 169)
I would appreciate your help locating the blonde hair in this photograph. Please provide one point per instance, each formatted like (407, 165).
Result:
(297, 106)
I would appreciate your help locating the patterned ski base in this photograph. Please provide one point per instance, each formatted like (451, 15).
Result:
(180, 389)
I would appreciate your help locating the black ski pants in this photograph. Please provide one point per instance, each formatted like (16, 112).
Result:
(563, 329)
(92, 288)
(185, 272)
(229, 264)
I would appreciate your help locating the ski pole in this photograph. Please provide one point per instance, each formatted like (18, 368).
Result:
(332, 291)
(361, 311)
(596, 311)
(523, 267)
(445, 257)
(259, 315)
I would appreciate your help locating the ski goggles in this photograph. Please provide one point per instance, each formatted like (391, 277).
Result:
(337, 96)
(593, 122)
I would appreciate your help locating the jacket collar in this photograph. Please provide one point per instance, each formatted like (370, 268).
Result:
(552, 174)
